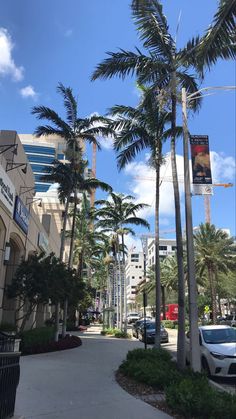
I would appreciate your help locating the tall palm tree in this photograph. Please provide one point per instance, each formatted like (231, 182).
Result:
(115, 216)
(215, 253)
(75, 131)
(164, 69)
(137, 129)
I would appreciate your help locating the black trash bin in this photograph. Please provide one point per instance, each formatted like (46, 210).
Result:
(9, 374)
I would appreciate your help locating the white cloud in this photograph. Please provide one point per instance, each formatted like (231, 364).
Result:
(223, 167)
(28, 91)
(142, 186)
(7, 64)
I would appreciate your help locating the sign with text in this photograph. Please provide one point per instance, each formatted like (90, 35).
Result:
(7, 190)
(21, 215)
(200, 155)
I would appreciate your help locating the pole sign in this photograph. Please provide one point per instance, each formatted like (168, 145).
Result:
(7, 191)
(21, 215)
(201, 165)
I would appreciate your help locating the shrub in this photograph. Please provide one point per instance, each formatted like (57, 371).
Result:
(150, 354)
(34, 337)
(192, 396)
(152, 367)
(121, 334)
(7, 327)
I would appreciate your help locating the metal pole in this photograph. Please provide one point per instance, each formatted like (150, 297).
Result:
(193, 309)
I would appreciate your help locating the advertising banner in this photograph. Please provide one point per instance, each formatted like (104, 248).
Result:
(200, 155)
(7, 191)
(21, 215)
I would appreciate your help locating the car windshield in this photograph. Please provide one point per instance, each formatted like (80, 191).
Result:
(151, 326)
(219, 335)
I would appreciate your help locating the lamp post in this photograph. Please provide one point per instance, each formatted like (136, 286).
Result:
(193, 309)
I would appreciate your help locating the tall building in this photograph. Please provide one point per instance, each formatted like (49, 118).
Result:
(167, 247)
(41, 152)
(134, 274)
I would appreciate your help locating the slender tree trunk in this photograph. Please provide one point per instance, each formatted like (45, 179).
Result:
(62, 248)
(157, 256)
(125, 285)
(121, 293)
(213, 294)
(163, 297)
(179, 240)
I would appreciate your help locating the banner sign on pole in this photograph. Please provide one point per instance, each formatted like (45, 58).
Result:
(200, 155)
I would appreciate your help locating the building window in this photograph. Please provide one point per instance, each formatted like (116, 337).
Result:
(140, 277)
(39, 149)
(140, 267)
(174, 248)
(162, 247)
(133, 277)
(40, 159)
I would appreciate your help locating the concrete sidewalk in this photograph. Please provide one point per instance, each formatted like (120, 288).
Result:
(79, 383)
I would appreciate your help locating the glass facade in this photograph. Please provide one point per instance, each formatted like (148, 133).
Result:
(41, 159)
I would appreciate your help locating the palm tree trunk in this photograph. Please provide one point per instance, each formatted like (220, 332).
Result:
(70, 263)
(125, 289)
(213, 294)
(179, 240)
(157, 256)
(121, 293)
(163, 297)
(62, 247)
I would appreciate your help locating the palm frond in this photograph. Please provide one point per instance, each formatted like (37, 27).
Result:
(219, 40)
(152, 28)
(42, 112)
(70, 103)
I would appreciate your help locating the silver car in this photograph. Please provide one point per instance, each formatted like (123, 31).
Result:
(218, 350)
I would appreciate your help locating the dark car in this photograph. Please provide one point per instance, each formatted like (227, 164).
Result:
(137, 325)
(150, 333)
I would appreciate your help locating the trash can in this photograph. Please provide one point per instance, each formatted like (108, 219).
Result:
(9, 373)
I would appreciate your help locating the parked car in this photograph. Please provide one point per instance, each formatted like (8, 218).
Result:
(132, 317)
(230, 320)
(136, 326)
(218, 350)
(151, 332)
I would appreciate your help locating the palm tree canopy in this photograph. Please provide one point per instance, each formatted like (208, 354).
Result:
(119, 212)
(215, 249)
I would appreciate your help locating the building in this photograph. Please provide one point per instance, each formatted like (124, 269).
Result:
(22, 229)
(134, 271)
(41, 152)
(167, 247)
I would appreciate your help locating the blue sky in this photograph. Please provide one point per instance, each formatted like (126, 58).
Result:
(44, 42)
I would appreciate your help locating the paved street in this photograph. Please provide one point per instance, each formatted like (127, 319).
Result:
(79, 383)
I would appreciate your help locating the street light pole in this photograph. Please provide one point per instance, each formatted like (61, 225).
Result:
(192, 286)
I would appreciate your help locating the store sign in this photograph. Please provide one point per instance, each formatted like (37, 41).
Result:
(7, 190)
(43, 242)
(21, 215)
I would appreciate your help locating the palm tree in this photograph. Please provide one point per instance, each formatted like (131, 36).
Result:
(215, 253)
(137, 129)
(75, 131)
(166, 69)
(115, 216)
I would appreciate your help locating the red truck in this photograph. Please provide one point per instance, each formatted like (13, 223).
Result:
(171, 312)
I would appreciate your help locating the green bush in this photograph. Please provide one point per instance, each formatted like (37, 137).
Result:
(7, 327)
(121, 334)
(150, 354)
(192, 396)
(38, 336)
(152, 367)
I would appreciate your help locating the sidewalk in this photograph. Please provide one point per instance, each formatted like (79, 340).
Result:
(79, 383)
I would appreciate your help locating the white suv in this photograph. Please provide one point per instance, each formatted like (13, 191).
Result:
(218, 350)
(132, 317)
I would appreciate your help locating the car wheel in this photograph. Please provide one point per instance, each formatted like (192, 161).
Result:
(205, 367)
